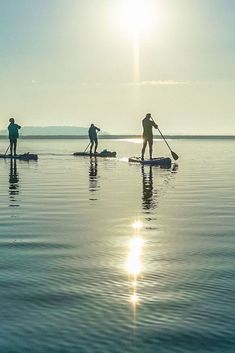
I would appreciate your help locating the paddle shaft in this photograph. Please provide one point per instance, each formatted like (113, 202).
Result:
(87, 147)
(164, 139)
(174, 155)
(7, 149)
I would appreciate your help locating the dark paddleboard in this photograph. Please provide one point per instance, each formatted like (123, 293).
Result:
(101, 154)
(163, 162)
(21, 157)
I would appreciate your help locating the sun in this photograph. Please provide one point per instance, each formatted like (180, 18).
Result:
(135, 18)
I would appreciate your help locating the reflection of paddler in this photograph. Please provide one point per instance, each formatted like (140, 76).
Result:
(13, 176)
(148, 197)
(93, 172)
(13, 180)
(93, 168)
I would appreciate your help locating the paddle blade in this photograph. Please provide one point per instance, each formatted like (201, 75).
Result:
(174, 155)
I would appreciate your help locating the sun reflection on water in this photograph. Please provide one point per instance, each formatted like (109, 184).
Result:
(137, 225)
(134, 265)
(134, 299)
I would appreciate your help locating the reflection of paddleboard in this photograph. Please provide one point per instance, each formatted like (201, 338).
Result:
(163, 162)
(22, 157)
(104, 153)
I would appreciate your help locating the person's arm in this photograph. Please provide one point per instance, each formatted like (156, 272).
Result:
(154, 125)
(97, 129)
(18, 127)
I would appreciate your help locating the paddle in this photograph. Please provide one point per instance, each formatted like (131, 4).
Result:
(7, 150)
(87, 147)
(174, 155)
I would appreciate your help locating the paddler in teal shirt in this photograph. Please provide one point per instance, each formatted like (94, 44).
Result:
(13, 130)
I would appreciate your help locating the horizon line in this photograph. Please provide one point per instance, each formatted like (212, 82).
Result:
(121, 136)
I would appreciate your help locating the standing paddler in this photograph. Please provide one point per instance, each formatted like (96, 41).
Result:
(148, 125)
(92, 132)
(13, 130)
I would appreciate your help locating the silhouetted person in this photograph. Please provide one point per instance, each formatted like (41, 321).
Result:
(13, 130)
(92, 132)
(148, 125)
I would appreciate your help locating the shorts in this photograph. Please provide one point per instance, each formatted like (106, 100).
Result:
(13, 140)
(148, 139)
(94, 139)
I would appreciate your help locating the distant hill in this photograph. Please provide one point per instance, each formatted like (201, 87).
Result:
(51, 130)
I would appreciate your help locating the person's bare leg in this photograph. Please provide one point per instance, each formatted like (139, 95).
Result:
(15, 146)
(11, 147)
(96, 145)
(151, 149)
(143, 148)
(92, 144)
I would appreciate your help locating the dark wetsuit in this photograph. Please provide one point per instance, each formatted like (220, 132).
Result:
(148, 125)
(92, 132)
(13, 130)
(148, 129)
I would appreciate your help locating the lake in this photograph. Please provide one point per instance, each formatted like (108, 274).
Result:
(99, 255)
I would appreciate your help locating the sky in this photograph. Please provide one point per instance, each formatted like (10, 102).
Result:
(109, 62)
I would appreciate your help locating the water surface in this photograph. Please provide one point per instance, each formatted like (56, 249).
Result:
(97, 255)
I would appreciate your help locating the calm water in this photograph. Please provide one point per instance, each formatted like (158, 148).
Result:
(77, 276)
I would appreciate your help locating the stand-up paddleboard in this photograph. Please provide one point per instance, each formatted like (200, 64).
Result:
(163, 162)
(21, 157)
(104, 154)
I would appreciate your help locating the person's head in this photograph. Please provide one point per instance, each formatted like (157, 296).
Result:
(92, 125)
(12, 120)
(148, 115)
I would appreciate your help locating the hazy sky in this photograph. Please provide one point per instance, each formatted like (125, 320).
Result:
(72, 62)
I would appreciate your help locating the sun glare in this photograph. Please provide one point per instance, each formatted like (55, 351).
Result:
(135, 18)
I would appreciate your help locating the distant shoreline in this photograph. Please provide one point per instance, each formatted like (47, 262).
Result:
(118, 137)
